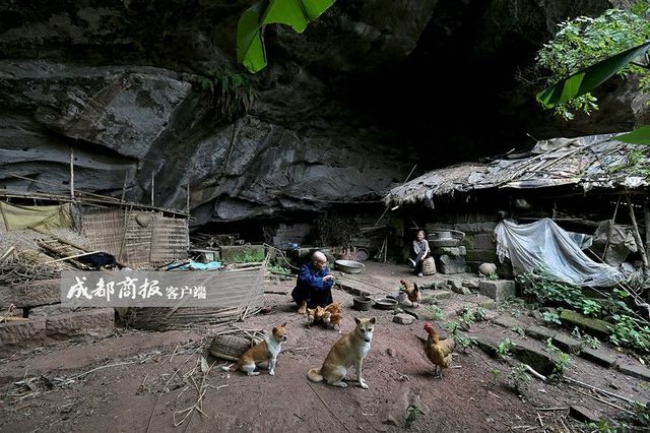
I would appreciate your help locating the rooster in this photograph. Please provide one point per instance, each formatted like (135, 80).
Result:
(439, 352)
(412, 291)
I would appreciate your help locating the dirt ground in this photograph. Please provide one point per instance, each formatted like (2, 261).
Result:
(155, 381)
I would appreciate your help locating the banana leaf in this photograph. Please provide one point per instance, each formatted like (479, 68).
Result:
(585, 80)
(294, 13)
(638, 136)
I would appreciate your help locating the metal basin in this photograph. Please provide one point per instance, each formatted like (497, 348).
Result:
(385, 304)
(445, 238)
(349, 266)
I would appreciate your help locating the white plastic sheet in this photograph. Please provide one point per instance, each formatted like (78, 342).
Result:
(543, 245)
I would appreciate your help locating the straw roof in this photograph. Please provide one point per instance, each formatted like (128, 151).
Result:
(585, 163)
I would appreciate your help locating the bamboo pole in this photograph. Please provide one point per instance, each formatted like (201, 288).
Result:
(72, 257)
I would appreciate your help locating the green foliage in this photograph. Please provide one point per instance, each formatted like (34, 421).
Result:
(563, 361)
(496, 374)
(452, 328)
(294, 13)
(551, 317)
(464, 341)
(638, 136)
(590, 307)
(435, 311)
(642, 414)
(586, 340)
(466, 318)
(520, 379)
(279, 270)
(601, 427)
(542, 286)
(625, 332)
(480, 314)
(550, 347)
(519, 330)
(628, 330)
(587, 51)
(412, 413)
(250, 255)
(504, 348)
(233, 93)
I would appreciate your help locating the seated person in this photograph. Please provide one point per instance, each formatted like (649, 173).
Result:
(420, 252)
(314, 284)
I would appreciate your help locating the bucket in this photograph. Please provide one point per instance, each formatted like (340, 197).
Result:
(428, 266)
(362, 303)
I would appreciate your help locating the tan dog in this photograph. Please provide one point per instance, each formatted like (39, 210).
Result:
(266, 350)
(349, 350)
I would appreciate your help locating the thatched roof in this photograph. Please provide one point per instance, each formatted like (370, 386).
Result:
(585, 163)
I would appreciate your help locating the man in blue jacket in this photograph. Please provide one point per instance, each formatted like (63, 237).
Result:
(314, 284)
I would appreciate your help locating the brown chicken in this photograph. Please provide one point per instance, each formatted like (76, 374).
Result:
(330, 316)
(335, 321)
(334, 307)
(412, 291)
(439, 352)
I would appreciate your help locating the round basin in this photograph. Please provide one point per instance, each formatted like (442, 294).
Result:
(349, 266)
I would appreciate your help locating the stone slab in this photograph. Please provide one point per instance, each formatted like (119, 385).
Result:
(638, 371)
(540, 332)
(507, 322)
(598, 356)
(31, 294)
(21, 334)
(499, 290)
(447, 264)
(96, 322)
(567, 344)
(437, 294)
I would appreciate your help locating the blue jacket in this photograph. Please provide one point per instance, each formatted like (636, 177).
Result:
(310, 286)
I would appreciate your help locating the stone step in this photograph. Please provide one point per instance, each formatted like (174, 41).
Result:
(603, 356)
(39, 330)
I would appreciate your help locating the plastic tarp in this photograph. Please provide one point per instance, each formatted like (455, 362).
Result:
(543, 245)
(43, 218)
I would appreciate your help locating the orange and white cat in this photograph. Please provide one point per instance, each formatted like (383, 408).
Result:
(349, 350)
(266, 350)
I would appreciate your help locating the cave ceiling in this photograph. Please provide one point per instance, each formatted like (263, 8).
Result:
(135, 90)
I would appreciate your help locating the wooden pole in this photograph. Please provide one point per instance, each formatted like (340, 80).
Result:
(611, 229)
(126, 175)
(187, 206)
(637, 235)
(152, 187)
(71, 174)
(646, 218)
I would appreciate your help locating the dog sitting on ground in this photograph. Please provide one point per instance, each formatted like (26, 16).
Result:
(266, 350)
(349, 350)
